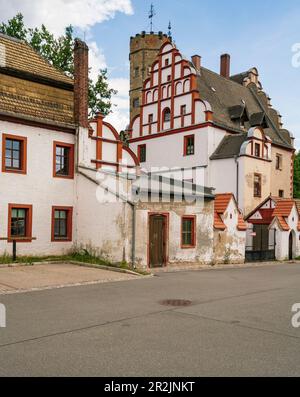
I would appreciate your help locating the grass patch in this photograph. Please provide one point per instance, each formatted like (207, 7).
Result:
(83, 257)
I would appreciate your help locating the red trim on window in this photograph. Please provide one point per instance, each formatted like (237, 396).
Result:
(185, 144)
(69, 224)
(28, 237)
(140, 147)
(193, 219)
(23, 140)
(71, 160)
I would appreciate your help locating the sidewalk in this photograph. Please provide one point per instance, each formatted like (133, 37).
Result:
(179, 267)
(46, 276)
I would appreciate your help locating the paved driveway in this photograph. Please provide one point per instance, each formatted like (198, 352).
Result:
(239, 324)
(24, 278)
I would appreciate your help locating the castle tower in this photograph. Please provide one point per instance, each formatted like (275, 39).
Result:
(144, 48)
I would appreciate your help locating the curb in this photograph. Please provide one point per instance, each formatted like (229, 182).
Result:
(109, 268)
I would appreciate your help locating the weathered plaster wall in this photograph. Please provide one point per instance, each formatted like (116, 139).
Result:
(202, 253)
(281, 179)
(229, 245)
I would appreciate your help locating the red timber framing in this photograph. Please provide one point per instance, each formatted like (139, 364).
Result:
(170, 84)
(117, 162)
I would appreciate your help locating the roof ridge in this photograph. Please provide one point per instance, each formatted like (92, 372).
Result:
(6, 36)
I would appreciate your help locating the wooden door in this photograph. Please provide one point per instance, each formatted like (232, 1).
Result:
(157, 241)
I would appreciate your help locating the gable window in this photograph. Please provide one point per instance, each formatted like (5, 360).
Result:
(257, 185)
(169, 77)
(14, 153)
(183, 110)
(188, 235)
(278, 162)
(136, 103)
(150, 118)
(20, 222)
(257, 150)
(167, 62)
(167, 115)
(189, 145)
(281, 193)
(142, 154)
(63, 160)
(62, 223)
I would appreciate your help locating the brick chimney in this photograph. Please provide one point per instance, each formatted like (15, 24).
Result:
(196, 59)
(225, 66)
(81, 75)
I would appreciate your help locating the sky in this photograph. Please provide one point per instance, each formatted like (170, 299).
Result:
(264, 34)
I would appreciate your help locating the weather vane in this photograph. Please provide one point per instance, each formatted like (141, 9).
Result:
(151, 15)
(170, 30)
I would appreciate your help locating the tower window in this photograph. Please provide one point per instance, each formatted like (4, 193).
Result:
(136, 72)
(136, 102)
(281, 193)
(278, 162)
(257, 185)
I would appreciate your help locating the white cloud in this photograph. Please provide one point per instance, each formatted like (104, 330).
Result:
(120, 116)
(81, 14)
(56, 14)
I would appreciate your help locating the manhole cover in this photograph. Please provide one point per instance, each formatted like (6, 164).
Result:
(176, 302)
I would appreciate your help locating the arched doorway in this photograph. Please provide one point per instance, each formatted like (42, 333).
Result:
(291, 245)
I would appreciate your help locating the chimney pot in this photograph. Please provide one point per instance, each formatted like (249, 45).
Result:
(81, 77)
(225, 66)
(196, 59)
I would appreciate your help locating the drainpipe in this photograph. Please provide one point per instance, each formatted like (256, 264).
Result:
(236, 159)
(133, 206)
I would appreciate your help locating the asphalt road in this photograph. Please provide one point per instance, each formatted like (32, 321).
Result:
(239, 324)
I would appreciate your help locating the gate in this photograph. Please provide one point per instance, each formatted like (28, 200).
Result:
(261, 243)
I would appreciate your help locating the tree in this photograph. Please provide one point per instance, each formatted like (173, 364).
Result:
(59, 52)
(297, 176)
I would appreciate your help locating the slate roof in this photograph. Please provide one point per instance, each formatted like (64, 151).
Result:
(229, 146)
(227, 96)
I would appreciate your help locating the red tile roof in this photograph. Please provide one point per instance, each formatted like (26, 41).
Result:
(284, 207)
(221, 203)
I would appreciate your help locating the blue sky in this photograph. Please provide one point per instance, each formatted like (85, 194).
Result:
(261, 36)
(256, 33)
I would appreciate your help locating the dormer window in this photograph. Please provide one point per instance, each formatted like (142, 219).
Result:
(257, 150)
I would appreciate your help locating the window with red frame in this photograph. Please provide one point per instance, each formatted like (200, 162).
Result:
(142, 153)
(189, 145)
(63, 160)
(19, 222)
(188, 232)
(14, 154)
(62, 223)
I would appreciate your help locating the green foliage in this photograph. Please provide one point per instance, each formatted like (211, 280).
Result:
(100, 95)
(59, 52)
(297, 176)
